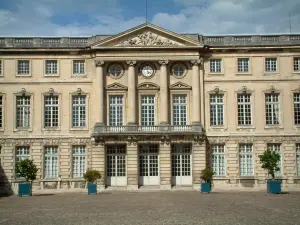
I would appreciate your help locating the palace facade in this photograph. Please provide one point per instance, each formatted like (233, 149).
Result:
(150, 108)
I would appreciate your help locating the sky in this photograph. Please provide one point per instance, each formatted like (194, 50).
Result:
(92, 17)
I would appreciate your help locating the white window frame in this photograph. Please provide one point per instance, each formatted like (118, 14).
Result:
(298, 159)
(218, 153)
(270, 61)
(183, 120)
(296, 63)
(148, 117)
(274, 107)
(20, 73)
(78, 108)
(242, 65)
(296, 106)
(51, 73)
(77, 65)
(277, 147)
(213, 65)
(52, 109)
(2, 111)
(215, 113)
(30, 112)
(246, 158)
(21, 153)
(51, 159)
(243, 105)
(79, 157)
(115, 106)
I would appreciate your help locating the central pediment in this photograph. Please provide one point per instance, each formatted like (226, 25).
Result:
(146, 35)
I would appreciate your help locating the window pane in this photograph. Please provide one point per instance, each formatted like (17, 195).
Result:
(79, 167)
(216, 109)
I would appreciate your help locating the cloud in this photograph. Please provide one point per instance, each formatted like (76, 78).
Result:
(84, 18)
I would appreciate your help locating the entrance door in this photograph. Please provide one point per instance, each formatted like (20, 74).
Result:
(181, 164)
(148, 165)
(116, 165)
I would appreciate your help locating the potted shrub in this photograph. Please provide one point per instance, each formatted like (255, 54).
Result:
(91, 176)
(206, 176)
(28, 170)
(269, 160)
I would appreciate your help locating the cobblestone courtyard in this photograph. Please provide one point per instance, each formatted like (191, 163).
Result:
(180, 207)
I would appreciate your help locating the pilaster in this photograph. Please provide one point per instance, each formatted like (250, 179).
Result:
(132, 166)
(196, 92)
(165, 166)
(98, 163)
(199, 162)
(164, 93)
(99, 92)
(131, 112)
(289, 164)
(65, 158)
(232, 159)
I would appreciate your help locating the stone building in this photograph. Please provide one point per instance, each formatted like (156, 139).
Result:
(150, 108)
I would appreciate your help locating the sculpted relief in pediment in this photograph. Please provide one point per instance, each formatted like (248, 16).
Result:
(149, 38)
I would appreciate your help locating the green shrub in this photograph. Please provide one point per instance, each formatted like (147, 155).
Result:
(91, 176)
(269, 160)
(27, 169)
(207, 174)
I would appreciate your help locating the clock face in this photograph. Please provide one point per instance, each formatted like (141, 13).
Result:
(147, 71)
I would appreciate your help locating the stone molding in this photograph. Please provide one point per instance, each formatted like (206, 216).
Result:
(99, 63)
(131, 62)
(197, 62)
(116, 86)
(163, 62)
(148, 86)
(180, 85)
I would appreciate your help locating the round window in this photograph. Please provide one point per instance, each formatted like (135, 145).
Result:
(178, 70)
(115, 70)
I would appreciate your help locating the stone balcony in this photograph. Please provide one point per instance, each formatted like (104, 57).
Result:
(101, 130)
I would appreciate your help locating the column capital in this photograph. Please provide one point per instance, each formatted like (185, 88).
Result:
(99, 63)
(197, 62)
(163, 62)
(131, 62)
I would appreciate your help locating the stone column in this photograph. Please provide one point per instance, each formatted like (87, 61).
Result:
(199, 162)
(131, 112)
(99, 92)
(165, 166)
(232, 159)
(98, 163)
(196, 94)
(164, 103)
(202, 94)
(132, 166)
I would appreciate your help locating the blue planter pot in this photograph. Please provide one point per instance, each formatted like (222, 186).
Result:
(274, 186)
(92, 189)
(205, 187)
(24, 189)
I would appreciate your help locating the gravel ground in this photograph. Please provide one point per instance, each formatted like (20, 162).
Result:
(180, 207)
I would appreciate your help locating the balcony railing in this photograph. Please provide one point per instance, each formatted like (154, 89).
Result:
(101, 129)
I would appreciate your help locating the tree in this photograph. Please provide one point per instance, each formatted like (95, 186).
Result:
(27, 169)
(207, 174)
(269, 160)
(91, 176)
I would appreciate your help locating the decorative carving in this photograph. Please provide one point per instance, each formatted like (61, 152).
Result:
(23, 92)
(132, 140)
(216, 89)
(272, 89)
(116, 86)
(51, 91)
(244, 89)
(99, 63)
(79, 91)
(147, 86)
(180, 85)
(165, 139)
(197, 62)
(148, 39)
(163, 62)
(131, 62)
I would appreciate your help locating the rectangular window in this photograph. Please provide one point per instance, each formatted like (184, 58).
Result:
(179, 110)
(246, 160)
(1, 112)
(215, 65)
(22, 153)
(51, 67)
(243, 65)
(244, 109)
(115, 110)
(298, 158)
(23, 112)
(271, 64)
(272, 109)
(297, 108)
(78, 67)
(51, 111)
(23, 67)
(147, 110)
(218, 160)
(216, 109)
(297, 64)
(276, 148)
(51, 162)
(1, 68)
(78, 111)
(78, 161)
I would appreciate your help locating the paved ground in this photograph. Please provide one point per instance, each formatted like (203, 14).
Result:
(179, 207)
